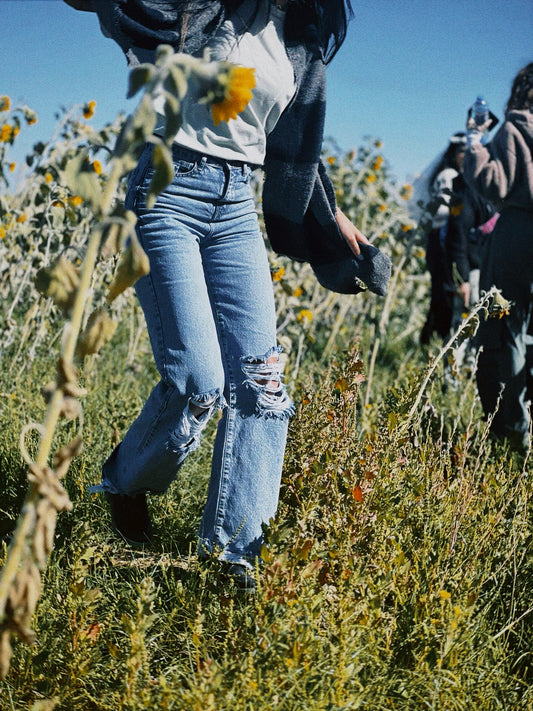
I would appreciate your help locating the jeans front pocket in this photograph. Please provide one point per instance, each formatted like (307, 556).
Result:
(184, 167)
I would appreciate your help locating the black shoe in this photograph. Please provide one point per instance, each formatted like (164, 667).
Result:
(242, 577)
(130, 518)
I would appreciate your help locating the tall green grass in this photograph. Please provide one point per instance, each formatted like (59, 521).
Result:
(397, 573)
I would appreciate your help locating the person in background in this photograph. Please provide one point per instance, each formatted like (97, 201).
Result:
(208, 299)
(470, 220)
(441, 186)
(502, 172)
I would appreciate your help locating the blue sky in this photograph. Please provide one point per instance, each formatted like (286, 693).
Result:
(406, 74)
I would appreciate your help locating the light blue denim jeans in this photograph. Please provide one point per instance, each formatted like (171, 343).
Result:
(209, 307)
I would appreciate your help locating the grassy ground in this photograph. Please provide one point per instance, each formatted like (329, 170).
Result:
(397, 573)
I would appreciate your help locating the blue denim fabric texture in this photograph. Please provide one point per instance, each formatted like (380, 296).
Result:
(209, 307)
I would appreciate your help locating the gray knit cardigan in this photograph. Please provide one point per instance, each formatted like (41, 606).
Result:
(298, 198)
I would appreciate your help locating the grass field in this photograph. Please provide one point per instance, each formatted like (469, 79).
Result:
(397, 573)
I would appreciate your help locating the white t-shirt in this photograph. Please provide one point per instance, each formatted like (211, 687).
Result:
(261, 46)
(441, 189)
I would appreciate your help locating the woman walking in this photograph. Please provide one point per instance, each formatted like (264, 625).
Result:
(208, 299)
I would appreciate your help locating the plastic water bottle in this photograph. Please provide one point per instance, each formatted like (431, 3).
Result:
(480, 111)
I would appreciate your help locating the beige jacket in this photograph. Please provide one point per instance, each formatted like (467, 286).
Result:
(502, 171)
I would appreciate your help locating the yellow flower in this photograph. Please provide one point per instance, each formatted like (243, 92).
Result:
(21, 218)
(6, 132)
(75, 200)
(31, 119)
(97, 167)
(331, 160)
(370, 178)
(5, 103)
(456, 210)
(382, 207)
(499, 307)
(298, 291)
(2, 232)
(88, 109)
(305, 314)
(12, 167)
(16, 131)
(238, 86)
(406, 228)
(278, 274)
(444, 595)
(377, 163)
(48, 177)
(378, 144)
(406, 192)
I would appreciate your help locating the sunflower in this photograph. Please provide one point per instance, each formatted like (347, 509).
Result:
(236, 85)
(88, 109)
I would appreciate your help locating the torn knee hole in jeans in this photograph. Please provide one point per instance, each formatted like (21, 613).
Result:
(264, 375)
(186, 437)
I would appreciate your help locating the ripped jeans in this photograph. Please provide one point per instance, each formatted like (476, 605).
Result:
(209, 307)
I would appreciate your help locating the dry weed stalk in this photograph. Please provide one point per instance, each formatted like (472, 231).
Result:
(70, 290)
(493, 305)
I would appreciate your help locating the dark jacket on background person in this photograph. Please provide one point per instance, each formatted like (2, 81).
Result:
(452, 252)
(463, 244)
(298, 198)
(502, 172)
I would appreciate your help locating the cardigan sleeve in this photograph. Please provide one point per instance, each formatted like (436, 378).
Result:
(296, 184)
(492, 169)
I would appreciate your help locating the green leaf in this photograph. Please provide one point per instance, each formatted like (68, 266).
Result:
(162, 52)
(163, 172)
(137, 129)
(139, 77)
(172, 117)
(176, 81)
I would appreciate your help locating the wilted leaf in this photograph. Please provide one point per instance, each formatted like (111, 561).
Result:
(357, 493)
(83, 181)
(132, 265)
(341, 384)
(65, 455)
(59, 282)
(99, 330)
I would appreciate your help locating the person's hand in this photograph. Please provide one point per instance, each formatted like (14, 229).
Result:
(477, 134)
(353, 236)
(464, 292)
